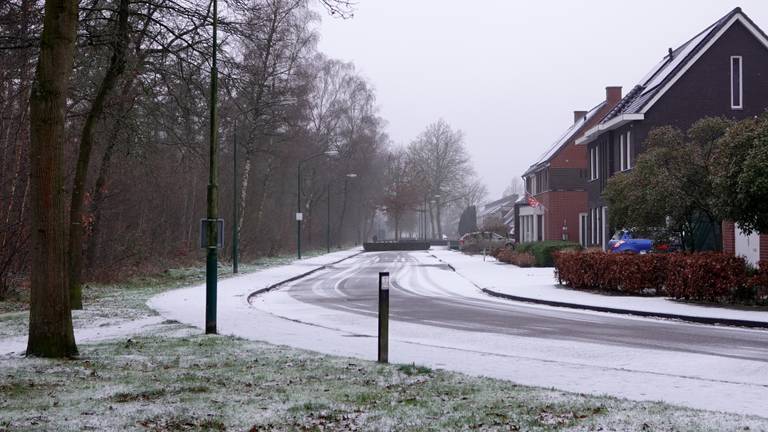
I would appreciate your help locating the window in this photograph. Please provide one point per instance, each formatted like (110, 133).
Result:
(583, 229)
(625, 150)
(593, 163)
(737, 86)
(622, 150)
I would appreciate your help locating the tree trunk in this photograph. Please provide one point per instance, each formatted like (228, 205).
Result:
(50, 317)
(439, 223)
(244, 181)
(76, 228)
(99, 195)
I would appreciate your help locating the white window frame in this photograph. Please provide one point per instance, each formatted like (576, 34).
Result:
(629, 149)
(597, 161)
(622, 152)
(604, 229)
(741, 82)
(582, 233)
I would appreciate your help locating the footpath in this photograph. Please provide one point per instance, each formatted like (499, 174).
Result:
(539, 285)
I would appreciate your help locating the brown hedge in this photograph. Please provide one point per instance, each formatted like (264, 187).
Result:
(706, 276)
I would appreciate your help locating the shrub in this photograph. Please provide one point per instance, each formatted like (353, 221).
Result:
(705, 276)
(543, 250)
(510, 256)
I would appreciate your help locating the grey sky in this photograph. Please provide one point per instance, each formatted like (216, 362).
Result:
(507, 73)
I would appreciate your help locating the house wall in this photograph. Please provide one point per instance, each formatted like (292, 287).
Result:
(563, 206)
(729, 237)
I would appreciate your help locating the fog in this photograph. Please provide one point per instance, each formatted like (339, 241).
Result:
(509, 74)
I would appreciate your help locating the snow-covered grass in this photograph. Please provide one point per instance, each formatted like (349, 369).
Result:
(109, 304)
(218, 383)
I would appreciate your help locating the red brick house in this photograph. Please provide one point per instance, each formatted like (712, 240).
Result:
(557, 180)
(722, 71)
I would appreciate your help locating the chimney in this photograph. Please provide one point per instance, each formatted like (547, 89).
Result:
(613, 94)
(578, 115)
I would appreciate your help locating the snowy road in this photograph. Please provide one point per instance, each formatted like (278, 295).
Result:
(443, 320)
(426, 292)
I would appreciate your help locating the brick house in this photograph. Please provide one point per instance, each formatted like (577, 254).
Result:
(722, 71)
(557, 180)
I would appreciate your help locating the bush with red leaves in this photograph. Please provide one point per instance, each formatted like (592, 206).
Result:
(706, 276)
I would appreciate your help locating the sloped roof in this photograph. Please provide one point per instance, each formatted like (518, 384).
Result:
(497, 205)
(654, 81)
(566, 137)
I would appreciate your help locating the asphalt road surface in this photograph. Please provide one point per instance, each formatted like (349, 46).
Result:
(419, 295)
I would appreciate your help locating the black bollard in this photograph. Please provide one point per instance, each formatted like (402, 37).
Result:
(383, 317)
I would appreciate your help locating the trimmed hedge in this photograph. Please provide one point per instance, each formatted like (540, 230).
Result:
(510, 256)
(543, 250)
(706, 276)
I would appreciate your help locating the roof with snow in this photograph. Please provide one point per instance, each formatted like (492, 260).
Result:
(498, 205)
(564, 139)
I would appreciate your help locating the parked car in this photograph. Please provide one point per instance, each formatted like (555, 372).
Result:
(478, 241)
(624, 241)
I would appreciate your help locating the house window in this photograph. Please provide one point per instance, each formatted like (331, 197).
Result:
(737, 86)
(622, 150)
(625, 149)
(583, 229)
(593, 163)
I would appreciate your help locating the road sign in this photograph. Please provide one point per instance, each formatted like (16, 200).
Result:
(299, 216)
(204, 243)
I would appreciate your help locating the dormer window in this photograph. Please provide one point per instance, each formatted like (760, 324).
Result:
(737, 85)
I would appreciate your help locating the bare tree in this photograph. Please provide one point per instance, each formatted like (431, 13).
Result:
(50, 318)
(442, 162)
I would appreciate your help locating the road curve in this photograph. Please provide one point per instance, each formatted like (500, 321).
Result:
(422, 293)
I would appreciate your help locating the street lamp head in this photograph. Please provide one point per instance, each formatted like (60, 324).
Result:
(352, 175)
(332, 153)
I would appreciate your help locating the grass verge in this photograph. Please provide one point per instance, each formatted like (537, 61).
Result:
(223, 383)
(107, 304)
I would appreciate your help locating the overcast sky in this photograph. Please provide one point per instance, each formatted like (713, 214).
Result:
(509, 73)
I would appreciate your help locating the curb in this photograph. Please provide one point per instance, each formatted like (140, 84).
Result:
(297, 277)
(687, 318)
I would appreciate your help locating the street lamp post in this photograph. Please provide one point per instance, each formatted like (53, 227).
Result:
(328, 218)
(235, 203)
(299, 214)
(211, 262)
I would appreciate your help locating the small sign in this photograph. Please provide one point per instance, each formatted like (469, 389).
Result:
(299, 216)
(384, 281)
(204, 232)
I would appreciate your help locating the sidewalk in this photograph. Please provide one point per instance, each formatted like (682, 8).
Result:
(539, 285)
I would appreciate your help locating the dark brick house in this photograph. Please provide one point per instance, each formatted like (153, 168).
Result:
(722, 71)
(558, 180)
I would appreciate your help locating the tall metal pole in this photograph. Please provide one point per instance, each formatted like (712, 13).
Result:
(298, 212)
(236, 205)
(211, 265)
(328, 221)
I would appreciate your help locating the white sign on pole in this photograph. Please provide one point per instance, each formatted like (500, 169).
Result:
(299, 216)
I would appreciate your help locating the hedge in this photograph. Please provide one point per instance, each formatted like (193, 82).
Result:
(543, 250)
(509, 256)
(705, 276)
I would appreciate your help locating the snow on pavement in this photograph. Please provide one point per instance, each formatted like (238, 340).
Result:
(694, 380)
(541, 284)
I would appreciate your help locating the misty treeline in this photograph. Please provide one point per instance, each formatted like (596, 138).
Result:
(135, 134)
(429, 183)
